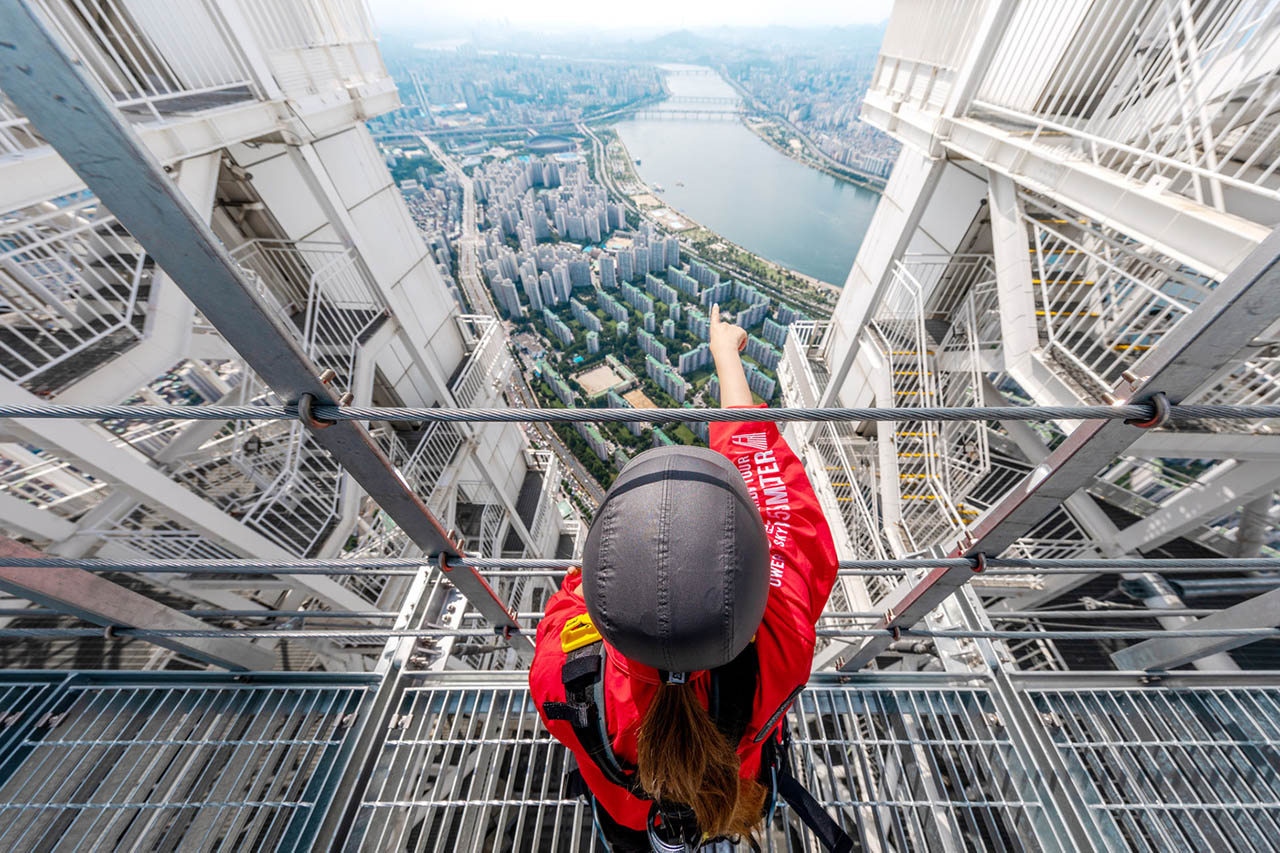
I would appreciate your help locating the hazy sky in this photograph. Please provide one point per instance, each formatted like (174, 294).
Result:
(561, 15)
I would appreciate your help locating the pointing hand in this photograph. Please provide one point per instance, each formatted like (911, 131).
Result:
(725, 337)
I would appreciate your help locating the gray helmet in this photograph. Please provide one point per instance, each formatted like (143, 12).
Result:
(675, 571)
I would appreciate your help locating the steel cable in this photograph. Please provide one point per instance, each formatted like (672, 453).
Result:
(1132, 411)
(426, 633)
(521, 567)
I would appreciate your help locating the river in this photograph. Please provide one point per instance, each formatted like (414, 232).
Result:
(728, 179)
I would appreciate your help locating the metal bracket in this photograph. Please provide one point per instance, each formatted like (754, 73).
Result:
(1160, 412)
(889, 616)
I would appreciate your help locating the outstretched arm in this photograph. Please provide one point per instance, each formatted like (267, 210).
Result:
(802, 555)
(727, 340)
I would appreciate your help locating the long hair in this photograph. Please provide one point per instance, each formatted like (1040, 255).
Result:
(682, 757)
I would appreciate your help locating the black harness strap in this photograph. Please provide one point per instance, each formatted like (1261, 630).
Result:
(732, 692)
(583, 708)
(777, 754)
(812, 814)
(731, 696)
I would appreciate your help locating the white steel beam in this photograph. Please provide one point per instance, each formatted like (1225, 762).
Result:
(30, 520)
(129, 473)
(904, 200)
(1234, 484)
(1019, 335)
(985, 42)
(95, 599)
(1261, 611)
(41, 174)
(1230, 317)
(1208, 445)
(1206, 239)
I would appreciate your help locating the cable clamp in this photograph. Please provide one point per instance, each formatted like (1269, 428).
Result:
(442, 560)
(305, 404)
(980, 564)
(109, 632)
(1160, 408)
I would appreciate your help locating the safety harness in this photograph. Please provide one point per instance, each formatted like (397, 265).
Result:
(672, 827)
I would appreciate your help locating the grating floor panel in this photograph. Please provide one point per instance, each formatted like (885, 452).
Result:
(167, 765)
(166, 761)
(1174, 769)
(472, 769)
(915, 769)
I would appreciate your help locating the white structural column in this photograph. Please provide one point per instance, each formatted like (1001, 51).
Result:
(167, 335)
(352, 493)
(904, 200)
(1255, 525)
(1228, 486)
(877, 371)
(1019, 337)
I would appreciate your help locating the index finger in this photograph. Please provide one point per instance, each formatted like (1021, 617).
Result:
(715, 313)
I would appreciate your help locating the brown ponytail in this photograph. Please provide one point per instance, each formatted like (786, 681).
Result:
(682, 757)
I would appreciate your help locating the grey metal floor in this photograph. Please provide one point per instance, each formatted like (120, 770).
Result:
(154, 761)
(182, 761)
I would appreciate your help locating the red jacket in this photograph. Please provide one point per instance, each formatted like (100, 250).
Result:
(802, 558)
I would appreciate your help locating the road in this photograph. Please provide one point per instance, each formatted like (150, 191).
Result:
(584, 480)
(468, 268)
(482, 302)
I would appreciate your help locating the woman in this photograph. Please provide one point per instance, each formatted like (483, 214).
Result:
(666, 665)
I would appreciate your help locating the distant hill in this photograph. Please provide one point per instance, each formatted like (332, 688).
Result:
(704, 46)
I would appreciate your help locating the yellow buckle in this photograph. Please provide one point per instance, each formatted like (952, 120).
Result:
(578, 632)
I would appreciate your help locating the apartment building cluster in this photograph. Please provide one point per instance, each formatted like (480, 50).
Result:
(461, 87)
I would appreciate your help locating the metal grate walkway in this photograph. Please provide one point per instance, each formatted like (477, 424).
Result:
(160, 762)
(1174, 769)
(921, 762)
(907, 763)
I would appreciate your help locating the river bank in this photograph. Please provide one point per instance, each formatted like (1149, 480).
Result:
(757, 124)
(806, 292)
(755, 121)
(723, 176)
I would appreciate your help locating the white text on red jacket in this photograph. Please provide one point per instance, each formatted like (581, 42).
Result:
(761, 472)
